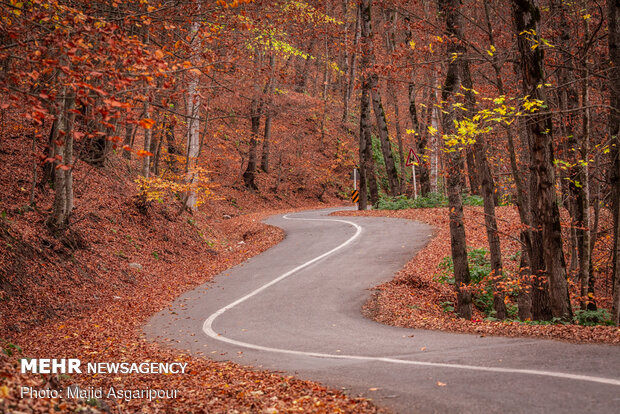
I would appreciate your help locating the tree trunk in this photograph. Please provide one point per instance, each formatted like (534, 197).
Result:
(373, 79)
(352, 69)
(613, 21)
(63, 178)
(386, 145)
(524, 300)
(193, 128)
(392, 91)
(49, 171)
(527, 18)
(367, 165)
(472, 171)
(487, 187)
(264, 161)
(450, 13)
(421, 140)
(250, 171)
(128, 141)
(146, 160)
(399, 135)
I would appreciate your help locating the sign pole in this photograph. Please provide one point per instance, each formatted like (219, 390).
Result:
(412, 160)
(415, 184)
(355, 194)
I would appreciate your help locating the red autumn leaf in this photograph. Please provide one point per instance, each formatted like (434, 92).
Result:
(113, 103)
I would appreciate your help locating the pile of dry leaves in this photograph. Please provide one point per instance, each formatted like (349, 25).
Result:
(415, 298)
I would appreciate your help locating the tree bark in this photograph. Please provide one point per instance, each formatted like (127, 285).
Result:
(613, 21)
(399, 134)
(421, 141)
(193, 128)
(264, 162)
(128, 141)
(367, 165)
(392, 91)
(63, 177)
(527, 18)
(352, 69)
(373, 80)
(450, 14)
(146, 160)
(250, 171)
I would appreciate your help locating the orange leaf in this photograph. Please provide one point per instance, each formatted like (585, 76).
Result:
(143, 153)
(146, 123)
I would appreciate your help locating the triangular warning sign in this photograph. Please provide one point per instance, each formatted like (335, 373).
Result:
(412, 158)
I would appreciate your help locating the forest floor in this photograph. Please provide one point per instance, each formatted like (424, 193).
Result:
(86, 294)
(416, 297)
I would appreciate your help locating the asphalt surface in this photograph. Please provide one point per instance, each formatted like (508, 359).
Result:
(296, 309)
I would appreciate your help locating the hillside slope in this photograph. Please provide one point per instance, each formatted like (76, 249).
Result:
(86, 292)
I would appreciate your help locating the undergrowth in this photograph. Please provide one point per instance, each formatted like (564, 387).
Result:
(482, 294)
(431, 200)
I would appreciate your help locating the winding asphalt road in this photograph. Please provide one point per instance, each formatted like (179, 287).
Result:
(296, 309)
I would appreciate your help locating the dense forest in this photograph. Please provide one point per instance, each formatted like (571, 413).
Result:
(515, 102)
(143, 138)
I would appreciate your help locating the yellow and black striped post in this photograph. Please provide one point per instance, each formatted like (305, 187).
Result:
(355, 196)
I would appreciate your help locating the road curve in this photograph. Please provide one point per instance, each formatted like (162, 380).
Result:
(296, 308)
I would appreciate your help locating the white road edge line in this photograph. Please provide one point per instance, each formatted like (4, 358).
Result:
(207, 328)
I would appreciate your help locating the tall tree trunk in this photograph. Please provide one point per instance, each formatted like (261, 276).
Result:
(48, 168)
(128, 141)
(613, 21)
(386, 145)
(350, 61)
(264, 161)
(472, 171)
(193, 129)
(527, 18)
(434, 121)
(63, 178)
(450, 14)
(250, 171)
(352, 68)
(522, 199)
(391, 18)
(367, 165)
(578, 180)
(146, 160)
(373, 79)
(368, 180)
(421, 140)
(487, 188)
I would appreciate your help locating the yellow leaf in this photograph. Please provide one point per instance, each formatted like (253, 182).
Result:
(4, 391)
(441, 384)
